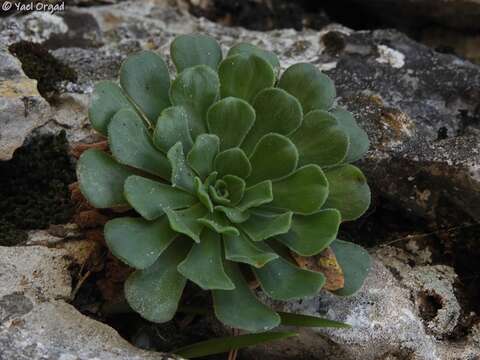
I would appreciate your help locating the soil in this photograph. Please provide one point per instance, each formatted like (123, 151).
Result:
(35, 188)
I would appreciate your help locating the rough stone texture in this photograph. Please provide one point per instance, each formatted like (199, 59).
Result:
(35, 321)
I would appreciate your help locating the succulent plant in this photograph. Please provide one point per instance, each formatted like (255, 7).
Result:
(229, 171)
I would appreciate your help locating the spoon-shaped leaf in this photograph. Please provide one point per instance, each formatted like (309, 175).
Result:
(239, 308)
(256, 195)
(230, 119)
(172, 127)
(233, 162)
(195, 49)
(261, 226)
(131, 144)
(182, 176)
(150, 198)
(218, 223)
(359, 142)
(145, 290)
(186, 221)
(320, 140)
(138, 243)
(241, 249)
(311, 234)
(144, 77)
(244, 76)
(204, 266)
(274, 156)
(236, 188)
(196, 89)
(349, 191)
(303, 192)
(249, 49)
(203, 153)
(309, 85)
(277, 111)
(101, 179)
(107, 99)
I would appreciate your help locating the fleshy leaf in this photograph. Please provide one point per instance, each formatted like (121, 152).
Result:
(233, 214)
(303, 192)
(359, 142)
(309, 85)
(249, 49)
(196, 89)
(138, 243)
(225, 344)
(182, 175)
(154, 292)
(236, 188)
(274, 156)
(172, 127)
(233, 162)
(311, 234)
(203, 153)
(349, 191)
(256, 195)
(355, 262)
(320, 140)
(150, 198)
(202, 194)
(131, 144)
(239, 308)
(195, 49)
(230, 119)
(219, 192)
(277, 112)
(218, 223)
(144, 77)
(261, 226)
(241, 249)
(204, 266)
(281, 280)
(244, 76)
(289, 319)
(186, 221)
(107, 99)
(101, 179)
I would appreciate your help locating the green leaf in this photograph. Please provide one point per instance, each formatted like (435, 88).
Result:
(182, 175)
(261, 226)
(310, 235)
(239, 308)
(233, 214)
(281, 280)
(274, 156)
(277, 112)
(138, 243)
(204, 266)
(225, 344)
(241, 249)
(244, 76)
(172, 127)
(320, 140)
(359, 142)
(195, 49)
(289, 319)
(256, 195)
(236, 188)
(203, 153)
(309, 85)
(150, 198)
(355, 263)
(218, 223)
(154, 292)
(202, 194)
(233, 162)
(144, 77)
(101, 179)
(196, 89)
(219, 192)
(230, 119)
(106, 100)
(249, 49)
(349, 191)
(131, 144)
(186, 221)
(303, 192)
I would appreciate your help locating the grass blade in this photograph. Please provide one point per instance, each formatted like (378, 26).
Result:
(310, 321)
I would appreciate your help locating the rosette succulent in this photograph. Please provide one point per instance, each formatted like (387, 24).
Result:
(231, 171)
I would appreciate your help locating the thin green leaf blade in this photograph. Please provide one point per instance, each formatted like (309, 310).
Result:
(289, 319)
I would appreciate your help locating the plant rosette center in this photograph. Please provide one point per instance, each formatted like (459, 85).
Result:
(233, 170)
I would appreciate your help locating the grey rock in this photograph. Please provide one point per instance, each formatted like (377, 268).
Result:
(36, 322)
